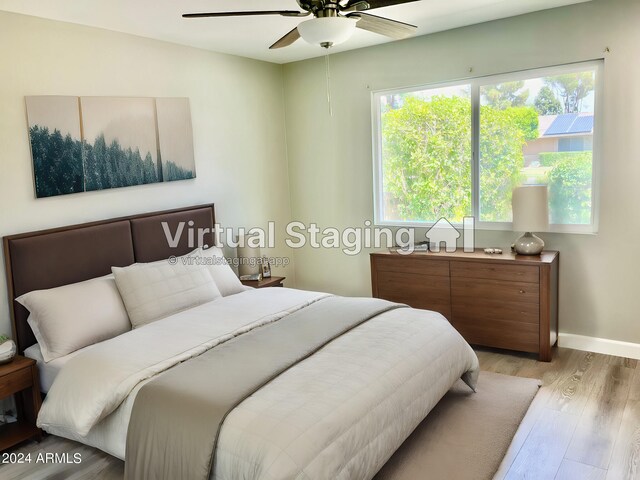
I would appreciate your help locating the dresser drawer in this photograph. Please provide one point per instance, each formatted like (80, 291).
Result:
(498, 292)
(493, 271)
(15, 381)
(497, 313)
(411, 264)
(524, 337)
(487, 310)
(418, 291)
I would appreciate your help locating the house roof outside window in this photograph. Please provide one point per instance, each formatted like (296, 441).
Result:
(566, 124)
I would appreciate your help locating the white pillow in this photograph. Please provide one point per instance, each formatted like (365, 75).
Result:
(226, 280)
(68, 318)
(152, 291)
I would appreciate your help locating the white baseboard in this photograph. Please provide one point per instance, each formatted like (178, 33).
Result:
(599, 345)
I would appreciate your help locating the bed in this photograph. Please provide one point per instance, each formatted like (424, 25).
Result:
(339, 409)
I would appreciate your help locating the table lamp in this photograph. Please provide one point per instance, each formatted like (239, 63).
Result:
(530, 214)
(248, 258)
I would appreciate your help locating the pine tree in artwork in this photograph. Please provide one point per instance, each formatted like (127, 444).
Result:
(63, 165)
(173, 172)
(91, 168)
(57, 162)
(150, 173)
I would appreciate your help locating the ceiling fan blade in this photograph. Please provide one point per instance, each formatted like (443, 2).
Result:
(383, 26)
(382, 3)
(284, 13)
(287, 40)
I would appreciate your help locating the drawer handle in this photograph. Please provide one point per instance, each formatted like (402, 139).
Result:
(522, 291)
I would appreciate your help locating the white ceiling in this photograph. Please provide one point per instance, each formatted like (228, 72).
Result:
(251, 36)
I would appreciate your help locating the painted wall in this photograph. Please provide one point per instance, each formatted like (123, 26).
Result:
(330, 159)
(238, 126)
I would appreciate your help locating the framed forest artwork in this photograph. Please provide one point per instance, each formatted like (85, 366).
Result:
(81, 144)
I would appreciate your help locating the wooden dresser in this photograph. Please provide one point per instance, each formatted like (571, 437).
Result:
(505, 301)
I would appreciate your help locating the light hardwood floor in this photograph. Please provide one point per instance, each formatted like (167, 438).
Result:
(584, 424)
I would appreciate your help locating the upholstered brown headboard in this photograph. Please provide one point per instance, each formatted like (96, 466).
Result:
(60, 256)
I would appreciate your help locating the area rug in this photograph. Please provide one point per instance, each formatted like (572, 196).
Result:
(464, 437)
(467, 434)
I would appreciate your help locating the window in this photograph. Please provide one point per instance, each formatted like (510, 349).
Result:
(459, 149)
(575, 144)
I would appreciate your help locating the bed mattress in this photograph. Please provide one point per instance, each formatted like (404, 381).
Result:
(340, 413)
(48, 371)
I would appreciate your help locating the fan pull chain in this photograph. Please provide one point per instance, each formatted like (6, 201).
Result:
(326, 61)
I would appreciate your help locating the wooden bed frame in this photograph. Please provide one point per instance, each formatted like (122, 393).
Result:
(61, 256)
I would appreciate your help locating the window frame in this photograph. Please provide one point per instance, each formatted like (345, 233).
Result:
(475, 84)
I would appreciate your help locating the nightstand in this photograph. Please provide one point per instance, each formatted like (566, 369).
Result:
(265, 282)
(20, 377)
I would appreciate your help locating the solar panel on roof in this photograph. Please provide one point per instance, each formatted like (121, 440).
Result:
(582, 124)
(561, 124)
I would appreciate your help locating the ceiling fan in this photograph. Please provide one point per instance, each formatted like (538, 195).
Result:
(334, 21)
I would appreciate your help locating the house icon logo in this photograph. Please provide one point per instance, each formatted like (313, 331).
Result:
(443, 232)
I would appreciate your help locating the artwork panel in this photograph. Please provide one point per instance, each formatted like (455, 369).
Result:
(175, 136)
(56, 145)
(120, 142)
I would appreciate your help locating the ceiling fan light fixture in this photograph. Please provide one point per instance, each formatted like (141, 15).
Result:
(327, 31)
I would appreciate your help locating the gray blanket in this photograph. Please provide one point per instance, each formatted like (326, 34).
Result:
(177, 417)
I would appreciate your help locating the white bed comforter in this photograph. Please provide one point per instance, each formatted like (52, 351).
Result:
(339, 414)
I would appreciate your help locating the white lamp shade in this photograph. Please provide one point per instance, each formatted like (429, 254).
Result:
(331, 30)
(248, 260)
(530, 208)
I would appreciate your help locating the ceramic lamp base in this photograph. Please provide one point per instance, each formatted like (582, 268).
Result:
(529, 244)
